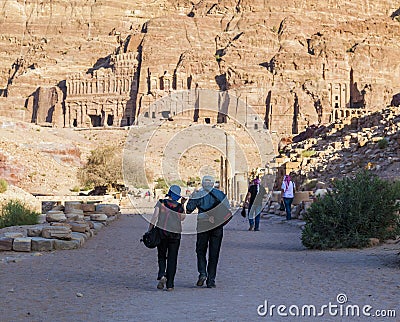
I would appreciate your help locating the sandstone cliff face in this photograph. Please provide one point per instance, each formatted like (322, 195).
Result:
(296, 62)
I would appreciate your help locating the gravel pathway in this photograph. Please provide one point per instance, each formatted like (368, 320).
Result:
(113, 278)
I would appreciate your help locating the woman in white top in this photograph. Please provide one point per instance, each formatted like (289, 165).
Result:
(288, 187)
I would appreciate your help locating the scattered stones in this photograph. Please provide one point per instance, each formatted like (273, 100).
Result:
(59, 234)
(371, 142)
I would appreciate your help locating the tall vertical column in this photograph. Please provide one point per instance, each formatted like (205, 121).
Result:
(230, 155)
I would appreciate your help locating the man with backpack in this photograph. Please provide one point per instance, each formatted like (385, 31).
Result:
(210, 202)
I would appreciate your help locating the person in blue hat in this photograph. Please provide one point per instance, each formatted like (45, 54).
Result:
(167, 217)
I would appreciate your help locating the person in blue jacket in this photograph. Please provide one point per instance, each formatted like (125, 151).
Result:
(209, 229)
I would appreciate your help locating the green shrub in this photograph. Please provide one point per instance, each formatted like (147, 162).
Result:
(15, 213)
(382, 144)
(308, 153)
(357, 209)
(161, 184)
(75, 189)
(3, 185)
(103, 167)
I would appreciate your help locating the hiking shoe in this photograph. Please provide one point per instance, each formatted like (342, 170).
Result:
(251, 228)
(201, 280)
(256, 229)
(211, 285)
(161, 283)
(170, 289)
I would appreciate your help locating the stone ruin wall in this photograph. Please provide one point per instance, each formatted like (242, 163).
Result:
(293, 69)
(106, 97)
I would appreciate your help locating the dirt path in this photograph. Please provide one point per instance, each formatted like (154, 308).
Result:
(116, 276)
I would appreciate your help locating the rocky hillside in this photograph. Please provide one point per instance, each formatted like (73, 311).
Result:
(326, 153)
(45, 160)
(295, 61)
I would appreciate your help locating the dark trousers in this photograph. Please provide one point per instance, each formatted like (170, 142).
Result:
(168, 259)
(212, 240)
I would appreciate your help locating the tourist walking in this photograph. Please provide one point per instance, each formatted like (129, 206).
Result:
(288, 188)
(254, 199)
(168, 216)
(209, 232)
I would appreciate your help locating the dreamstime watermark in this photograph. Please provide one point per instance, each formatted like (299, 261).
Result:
(340, 308)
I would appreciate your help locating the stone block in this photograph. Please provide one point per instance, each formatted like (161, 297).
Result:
(300, 196)
(70, 206)
(61, 224)
(73, 217)
(40, 244)
(13, 235)
(108, 209)
(55, 216)
(112, 218)
(22, 244)
(66, 244)
(74, 212)
(98, 217)
(88, 207)
(79, 227)
(6, 243)
(79, 237)
(34, 232)
(59, 232)
(97, 226)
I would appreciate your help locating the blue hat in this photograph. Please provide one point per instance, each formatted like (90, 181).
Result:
(174, 192)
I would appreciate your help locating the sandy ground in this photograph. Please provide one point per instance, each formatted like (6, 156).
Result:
(113, 278)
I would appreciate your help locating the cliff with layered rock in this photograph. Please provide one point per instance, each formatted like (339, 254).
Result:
(103, 63)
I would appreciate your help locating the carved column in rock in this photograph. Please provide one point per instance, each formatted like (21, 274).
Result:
(79, 116)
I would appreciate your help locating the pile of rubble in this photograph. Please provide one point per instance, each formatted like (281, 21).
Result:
(61, 228)
(325, 153)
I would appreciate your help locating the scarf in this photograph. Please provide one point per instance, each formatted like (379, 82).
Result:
(287, 180)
